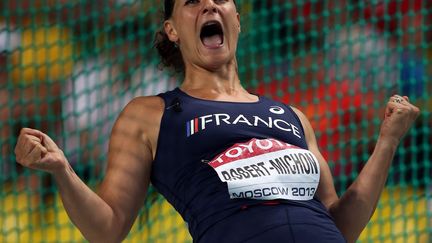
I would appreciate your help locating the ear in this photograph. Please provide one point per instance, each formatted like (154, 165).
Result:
(170, 31)
(238, 22)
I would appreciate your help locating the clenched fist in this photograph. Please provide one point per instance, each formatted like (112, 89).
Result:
(400, 114)
(36, 150)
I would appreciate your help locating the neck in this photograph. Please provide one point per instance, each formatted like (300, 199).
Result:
(221, 80)
(222, 84)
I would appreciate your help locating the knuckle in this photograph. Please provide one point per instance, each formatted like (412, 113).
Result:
(26, 136)
(21, 160)
(18, 156)
(414, 111)
(24, 130)
(38, 148)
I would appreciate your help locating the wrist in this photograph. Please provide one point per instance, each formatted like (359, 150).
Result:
(62, 172)
(388, 142)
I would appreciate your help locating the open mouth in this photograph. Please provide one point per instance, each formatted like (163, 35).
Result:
(212, 34)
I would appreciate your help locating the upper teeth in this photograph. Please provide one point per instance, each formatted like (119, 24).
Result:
(210, 23)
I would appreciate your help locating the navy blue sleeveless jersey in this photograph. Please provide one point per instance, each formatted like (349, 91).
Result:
(193, 131)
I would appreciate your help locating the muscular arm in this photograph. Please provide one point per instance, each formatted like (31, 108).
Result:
(354, 209)
(108, 215)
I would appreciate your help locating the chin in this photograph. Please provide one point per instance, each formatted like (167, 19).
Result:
(216, 64)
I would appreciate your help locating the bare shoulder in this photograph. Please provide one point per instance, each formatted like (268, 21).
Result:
(142, 116)
(144, 104)
(299, 113)
(305, 122)
(144, 109)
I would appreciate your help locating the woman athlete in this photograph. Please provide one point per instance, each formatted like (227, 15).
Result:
(237, 167)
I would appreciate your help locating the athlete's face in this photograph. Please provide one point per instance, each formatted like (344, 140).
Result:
(205, 30)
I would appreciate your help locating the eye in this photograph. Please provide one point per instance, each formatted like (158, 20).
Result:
(191, 2)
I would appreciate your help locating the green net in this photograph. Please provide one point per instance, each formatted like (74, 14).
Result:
(68, 67)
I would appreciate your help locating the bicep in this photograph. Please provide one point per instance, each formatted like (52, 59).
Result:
(128, 172)
(326, 191)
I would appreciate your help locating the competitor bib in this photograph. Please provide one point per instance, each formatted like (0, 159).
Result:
(268, 169)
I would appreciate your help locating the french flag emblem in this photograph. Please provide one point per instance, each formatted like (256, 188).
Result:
(192, 127)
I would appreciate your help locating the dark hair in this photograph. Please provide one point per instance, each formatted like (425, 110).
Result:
(169, 52)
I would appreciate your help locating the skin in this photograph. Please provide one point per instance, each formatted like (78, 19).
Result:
(108, 215)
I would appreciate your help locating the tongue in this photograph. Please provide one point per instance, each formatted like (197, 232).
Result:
(213, 41)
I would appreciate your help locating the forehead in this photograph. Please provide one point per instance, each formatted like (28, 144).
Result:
(172, 3)
(172, 6)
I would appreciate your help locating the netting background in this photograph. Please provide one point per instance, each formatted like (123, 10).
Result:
(69, 66)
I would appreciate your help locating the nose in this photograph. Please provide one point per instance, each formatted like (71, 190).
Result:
(209, 7)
